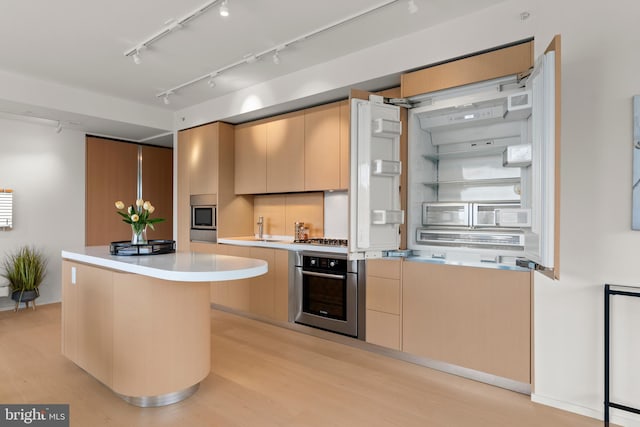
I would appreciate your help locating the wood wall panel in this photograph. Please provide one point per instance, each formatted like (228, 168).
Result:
(157, 186)
(111, 175)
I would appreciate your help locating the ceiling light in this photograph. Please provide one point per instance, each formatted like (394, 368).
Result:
(136, 57)
(274, 50)
(224, 9)
(166, 99)
(413, 7)
(211, 82)
(59, 127)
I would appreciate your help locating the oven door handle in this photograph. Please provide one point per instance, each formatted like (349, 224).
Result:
(324, 275)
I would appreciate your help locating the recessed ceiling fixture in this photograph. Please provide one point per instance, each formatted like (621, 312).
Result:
(251, 58)
(413, 7)
(224, 9)
(171, 25)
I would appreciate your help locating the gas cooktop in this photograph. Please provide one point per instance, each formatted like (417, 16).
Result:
(321, 241)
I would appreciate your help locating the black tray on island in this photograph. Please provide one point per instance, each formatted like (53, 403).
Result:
(152, 247)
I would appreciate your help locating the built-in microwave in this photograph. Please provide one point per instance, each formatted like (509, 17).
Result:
(203, 217)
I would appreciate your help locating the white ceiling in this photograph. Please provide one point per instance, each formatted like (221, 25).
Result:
(81, 44)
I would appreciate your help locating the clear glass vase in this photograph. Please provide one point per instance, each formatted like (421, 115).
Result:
(139, 236)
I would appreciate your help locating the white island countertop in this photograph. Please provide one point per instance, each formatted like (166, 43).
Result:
(178, 266)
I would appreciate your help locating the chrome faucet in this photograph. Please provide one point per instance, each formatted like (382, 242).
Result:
(260, 227)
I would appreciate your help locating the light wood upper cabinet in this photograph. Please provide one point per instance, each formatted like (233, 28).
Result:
(345, 133)
(203, 157)
(285, 153)
(496, 63)
(251, 158)
(322, 148)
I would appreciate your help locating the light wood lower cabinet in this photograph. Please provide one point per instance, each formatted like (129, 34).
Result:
(266, 295)
(478, 318)
(383, 303)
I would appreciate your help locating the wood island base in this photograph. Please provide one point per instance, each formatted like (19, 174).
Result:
(145, 338)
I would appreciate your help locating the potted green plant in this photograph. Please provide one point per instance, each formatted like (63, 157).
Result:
(25, 269)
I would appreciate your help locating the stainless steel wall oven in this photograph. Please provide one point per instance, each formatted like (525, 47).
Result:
(329, 293)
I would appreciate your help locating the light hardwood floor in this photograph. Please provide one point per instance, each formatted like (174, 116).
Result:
(264, 375)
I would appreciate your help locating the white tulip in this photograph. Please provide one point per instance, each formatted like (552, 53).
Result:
(135, 217)
(119, 204)
(139, 202)
(146, 205)
(151, 208)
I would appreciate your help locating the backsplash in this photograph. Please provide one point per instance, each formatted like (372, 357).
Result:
(281, 211)
(336, 214)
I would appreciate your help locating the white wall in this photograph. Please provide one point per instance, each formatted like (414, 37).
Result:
(600, 66)
(46, 172)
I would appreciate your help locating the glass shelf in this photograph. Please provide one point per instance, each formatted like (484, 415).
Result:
(475, 182)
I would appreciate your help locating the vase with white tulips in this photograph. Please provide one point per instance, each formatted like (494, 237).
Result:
(138, 216)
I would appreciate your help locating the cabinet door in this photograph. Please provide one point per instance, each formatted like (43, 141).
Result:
(383, 303)
(322, 148)
(157, 186)
(285, 154)
(251, 159)
(478, 318)
(499, 62)
(281, 285)
(203, 160)
(262, 287)
(344, 144)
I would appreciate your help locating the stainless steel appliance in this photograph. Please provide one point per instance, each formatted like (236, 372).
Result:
(203, 218)
(329, 293)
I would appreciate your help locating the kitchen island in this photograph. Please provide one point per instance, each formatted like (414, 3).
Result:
(141, 324)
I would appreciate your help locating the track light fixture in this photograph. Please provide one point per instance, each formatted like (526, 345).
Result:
(136, 57)
(275, 50)
(413, 7)
(211, 82)
(166, 99)
(224, 9)
(173, 25)
(59, 127)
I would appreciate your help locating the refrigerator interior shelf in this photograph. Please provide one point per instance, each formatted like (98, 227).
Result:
(475, 182)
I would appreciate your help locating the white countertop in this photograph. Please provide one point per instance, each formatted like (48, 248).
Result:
(281, 242)
(178, 266)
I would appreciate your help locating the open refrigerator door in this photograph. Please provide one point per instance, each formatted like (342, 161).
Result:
(375, 210)
(539, 185)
